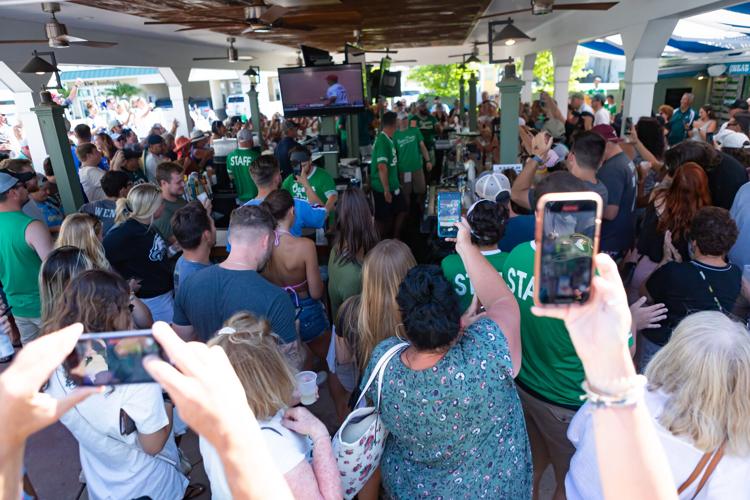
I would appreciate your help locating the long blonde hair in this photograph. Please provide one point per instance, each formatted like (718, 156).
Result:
(142, 203)
(705, 370)
(81, 231)
(256, 357)
(379, 317)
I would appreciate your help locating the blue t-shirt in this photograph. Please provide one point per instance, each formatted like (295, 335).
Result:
(519, 229)
(103, 163)
(305, 216)
(53, 216)
(185, 268)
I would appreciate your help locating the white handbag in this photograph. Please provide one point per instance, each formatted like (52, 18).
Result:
(359, 443)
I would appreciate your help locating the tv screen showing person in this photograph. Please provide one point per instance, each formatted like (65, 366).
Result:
(321, 90)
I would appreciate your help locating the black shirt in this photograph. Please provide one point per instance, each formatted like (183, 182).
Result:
(680, 287)
(651, 240)
(282, 155)
(725, 180)
(138, 251)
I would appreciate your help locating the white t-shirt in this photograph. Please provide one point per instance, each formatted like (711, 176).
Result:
(153, 161)
(729, 480)
(585, 108)
(91, 181)
(602, 117)
(114, 465)
(287, 448)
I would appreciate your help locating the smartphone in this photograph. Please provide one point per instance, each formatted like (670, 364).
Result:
(112, 358)
(628, 124)
(567, 238)
(448, 213)
(297, 168)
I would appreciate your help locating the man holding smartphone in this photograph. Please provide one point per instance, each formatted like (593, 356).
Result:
(390, 208)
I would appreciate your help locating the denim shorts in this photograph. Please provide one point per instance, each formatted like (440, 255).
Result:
(313, 321)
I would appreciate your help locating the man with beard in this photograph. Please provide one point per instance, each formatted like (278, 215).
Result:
(212, 295)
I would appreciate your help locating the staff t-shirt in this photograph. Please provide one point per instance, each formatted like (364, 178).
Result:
(680, 287)
(104, 210)
(238, 164)
(618, 175)
(211, 296)
(407, 149)
(551, 368)
(455, 272)
(426, 125)
(139, 251)
(384, 151)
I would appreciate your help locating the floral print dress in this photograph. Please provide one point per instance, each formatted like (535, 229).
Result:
(457, 429)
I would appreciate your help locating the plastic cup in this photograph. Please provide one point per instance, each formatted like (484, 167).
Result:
(307, 387)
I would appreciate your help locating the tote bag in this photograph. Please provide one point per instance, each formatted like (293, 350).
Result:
(359, 443)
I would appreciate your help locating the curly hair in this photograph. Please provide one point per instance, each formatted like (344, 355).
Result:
(687, 194)
(487, 220)
(429, 309)
(714, 231)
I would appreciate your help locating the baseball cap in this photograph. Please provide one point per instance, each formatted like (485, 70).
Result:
(598, 97)
(197, 135)
(606, 132)
(555, 127)
(131, 153)
(7, 182)
(154, 139)
(733, 140)
(299, 156)
(739, 104)
(245, 135)
(114, 123)
(288, 125)
(490, 185)
(332, 78)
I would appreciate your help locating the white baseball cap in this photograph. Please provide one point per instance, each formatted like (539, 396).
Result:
(490, 185)
(734, 140)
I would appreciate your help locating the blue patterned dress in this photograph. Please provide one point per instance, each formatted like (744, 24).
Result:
(456, 429)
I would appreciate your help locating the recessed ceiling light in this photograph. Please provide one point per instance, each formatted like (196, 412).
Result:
(446, 12)
(86, 18)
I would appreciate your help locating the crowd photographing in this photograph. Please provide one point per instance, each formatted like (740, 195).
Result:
(484, 392)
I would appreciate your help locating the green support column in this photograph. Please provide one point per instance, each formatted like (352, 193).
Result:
(461, 98)
(473, 103)
(510, 99)
(352, 136)
(331, 161)
(255, 114)
(54, 134)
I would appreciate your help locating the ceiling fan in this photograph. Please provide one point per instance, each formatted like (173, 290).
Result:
(542, 7)
(57, 33)
(231, 56)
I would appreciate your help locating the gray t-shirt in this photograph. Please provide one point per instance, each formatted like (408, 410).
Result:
(600, 188)
(104, 210)
(212, 295)
(618, 175)
(184, 269)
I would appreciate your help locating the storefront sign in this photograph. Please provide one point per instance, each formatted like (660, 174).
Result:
(742, 68)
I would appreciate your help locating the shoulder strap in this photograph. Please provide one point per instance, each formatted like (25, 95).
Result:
(379, 369)
(712, 464)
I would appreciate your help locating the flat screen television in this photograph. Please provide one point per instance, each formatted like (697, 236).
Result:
(315, 57)
(322, 90)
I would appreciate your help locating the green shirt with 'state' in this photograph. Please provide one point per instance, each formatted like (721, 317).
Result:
(455, 272)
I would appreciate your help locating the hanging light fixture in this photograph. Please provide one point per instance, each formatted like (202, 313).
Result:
(40, 66)
(509, 35)
(253, 74)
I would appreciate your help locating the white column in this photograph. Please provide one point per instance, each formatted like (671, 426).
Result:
(562, 57)
(217, 95)
(643, 45)
(25, 88)
(528, 77)
(176, 78)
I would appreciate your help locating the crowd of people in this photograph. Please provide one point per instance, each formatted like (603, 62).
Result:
(485, 391)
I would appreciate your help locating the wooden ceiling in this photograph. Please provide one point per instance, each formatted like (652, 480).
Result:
(383, 23)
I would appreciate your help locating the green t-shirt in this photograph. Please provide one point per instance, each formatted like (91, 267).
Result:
(320, 181)
(426, 125)
(407, 149)
(238, 164)
(455, 272)
(164, 223)
(19, 265)
(550, 367)
(384, 151)
(344, 281)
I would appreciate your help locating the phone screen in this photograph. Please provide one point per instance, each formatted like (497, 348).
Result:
(448, 213)
(112, 358)
(567, 251)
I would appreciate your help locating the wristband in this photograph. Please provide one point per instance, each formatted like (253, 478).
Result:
(538, 159)
(618, 393)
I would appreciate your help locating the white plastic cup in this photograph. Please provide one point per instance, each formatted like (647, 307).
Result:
(307, 387)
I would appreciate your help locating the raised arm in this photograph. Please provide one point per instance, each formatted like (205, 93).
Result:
(492, 292)
(312, 270)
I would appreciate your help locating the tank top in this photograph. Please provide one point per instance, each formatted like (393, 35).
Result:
(19, 265)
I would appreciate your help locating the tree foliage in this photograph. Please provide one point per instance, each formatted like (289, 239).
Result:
(124, 90)
(441, 79)
(544, 71)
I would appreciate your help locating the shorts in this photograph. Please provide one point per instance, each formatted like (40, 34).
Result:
(547, 426)
(313, 321)
(385, 210)
(28, 328)
(416, 183)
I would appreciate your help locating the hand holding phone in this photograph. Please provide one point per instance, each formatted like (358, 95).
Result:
(567, 238)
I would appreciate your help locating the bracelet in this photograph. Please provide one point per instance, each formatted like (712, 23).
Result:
(618, 393)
